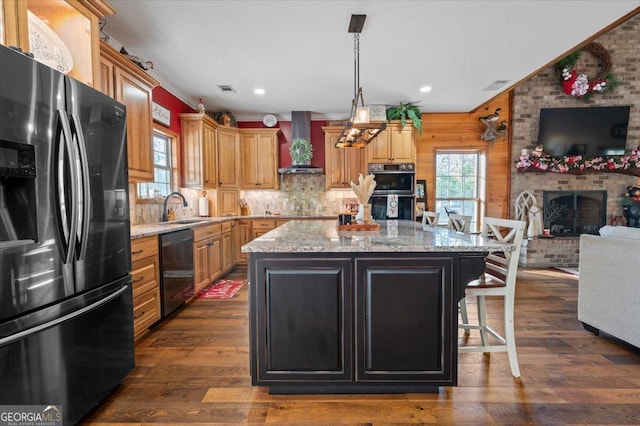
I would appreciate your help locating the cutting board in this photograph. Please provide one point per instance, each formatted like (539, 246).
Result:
(359, 227)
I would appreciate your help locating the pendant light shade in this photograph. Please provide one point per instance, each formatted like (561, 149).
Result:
(358, 131)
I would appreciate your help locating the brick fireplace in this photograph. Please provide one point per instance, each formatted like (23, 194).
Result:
(567, 214)
(544, 91)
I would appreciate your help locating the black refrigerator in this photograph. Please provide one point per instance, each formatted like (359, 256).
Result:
(66, 326)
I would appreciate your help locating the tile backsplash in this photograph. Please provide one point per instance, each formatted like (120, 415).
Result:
(303, 195)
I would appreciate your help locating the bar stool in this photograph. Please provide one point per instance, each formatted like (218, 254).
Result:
(430, 218)
(459, 223)
(499, 280)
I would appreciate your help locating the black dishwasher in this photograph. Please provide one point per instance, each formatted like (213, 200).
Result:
(176, 269)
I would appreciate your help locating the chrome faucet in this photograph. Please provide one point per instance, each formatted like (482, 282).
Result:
(165, 216)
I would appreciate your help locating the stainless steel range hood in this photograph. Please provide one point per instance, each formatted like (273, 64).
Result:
(300, 128)
(300, 170)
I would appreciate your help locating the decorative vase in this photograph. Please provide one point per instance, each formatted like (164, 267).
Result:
(364, 213)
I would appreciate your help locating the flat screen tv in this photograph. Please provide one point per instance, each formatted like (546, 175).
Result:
(588, 131)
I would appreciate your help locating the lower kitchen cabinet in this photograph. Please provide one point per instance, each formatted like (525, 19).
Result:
(244, 236)
(315, 295)
(261, 226)
(145, 274)
(227, 247)
(207, 254)
(401, 311)
(366, 323)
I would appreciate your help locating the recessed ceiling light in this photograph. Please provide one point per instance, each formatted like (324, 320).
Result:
(258, 91)
(425, 89)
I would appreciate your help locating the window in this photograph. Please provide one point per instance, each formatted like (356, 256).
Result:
(460, 184)
(165, 167)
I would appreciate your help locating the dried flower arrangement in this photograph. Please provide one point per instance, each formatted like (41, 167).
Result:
(364, 188)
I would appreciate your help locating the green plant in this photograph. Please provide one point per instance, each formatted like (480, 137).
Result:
(301, 151)
(406, 111)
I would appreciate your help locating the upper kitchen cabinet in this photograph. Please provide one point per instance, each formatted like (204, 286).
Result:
(259, 158)
(127, 83)
(199, 150)
(394, 145)
(228, 157)
(341, 165)
(62, 34)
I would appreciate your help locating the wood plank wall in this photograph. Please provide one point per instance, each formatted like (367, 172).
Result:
(460, 131)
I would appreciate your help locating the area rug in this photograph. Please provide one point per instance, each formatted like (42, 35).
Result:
(221, 289)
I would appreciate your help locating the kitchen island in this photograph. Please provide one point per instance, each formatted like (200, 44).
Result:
(351, 312)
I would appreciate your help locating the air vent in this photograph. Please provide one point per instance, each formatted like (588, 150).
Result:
(496, 85)
(226, 88)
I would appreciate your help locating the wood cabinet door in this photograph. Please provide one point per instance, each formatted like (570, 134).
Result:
(259, 159)
(201, 264)
(235, 242)
(245, 236)
(210, 154)
(227, 251)
(215, 258)
(334, 165)
(342, 165)
(250, 161)
(267, 164)
(405, 320)
(228, 159)
(378, 150)
(402, 145)
(228, 202)
(353, 165)
(106, 77)
(191, 153)
(313, 294)
(137, 98)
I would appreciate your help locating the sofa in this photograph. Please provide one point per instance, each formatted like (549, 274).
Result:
(609, 286)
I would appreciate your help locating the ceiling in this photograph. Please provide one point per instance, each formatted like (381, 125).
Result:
(300, 53)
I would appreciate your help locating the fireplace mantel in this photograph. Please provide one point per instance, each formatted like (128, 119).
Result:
(577, 165)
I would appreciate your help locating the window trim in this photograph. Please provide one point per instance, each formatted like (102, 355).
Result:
(176, 166)
(482, 180)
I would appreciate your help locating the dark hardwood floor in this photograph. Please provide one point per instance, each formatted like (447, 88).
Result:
(194, 369)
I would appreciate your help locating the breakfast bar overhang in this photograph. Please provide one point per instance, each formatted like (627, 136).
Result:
(358, 312)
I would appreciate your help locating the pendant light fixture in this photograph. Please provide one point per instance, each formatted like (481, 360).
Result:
(358, 131)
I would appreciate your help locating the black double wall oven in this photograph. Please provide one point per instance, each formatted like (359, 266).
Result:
(393, 179)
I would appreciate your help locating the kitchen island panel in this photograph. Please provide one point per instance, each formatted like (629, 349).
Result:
(405, 319)
(302, 325)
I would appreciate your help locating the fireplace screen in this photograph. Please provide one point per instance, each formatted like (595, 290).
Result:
(570, 213)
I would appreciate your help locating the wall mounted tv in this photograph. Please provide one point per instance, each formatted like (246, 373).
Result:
(588, 131)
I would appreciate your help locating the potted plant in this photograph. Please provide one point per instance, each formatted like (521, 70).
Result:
(301, 152)
(403, 111)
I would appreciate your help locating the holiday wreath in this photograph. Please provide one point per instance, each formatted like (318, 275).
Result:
(576, 82)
